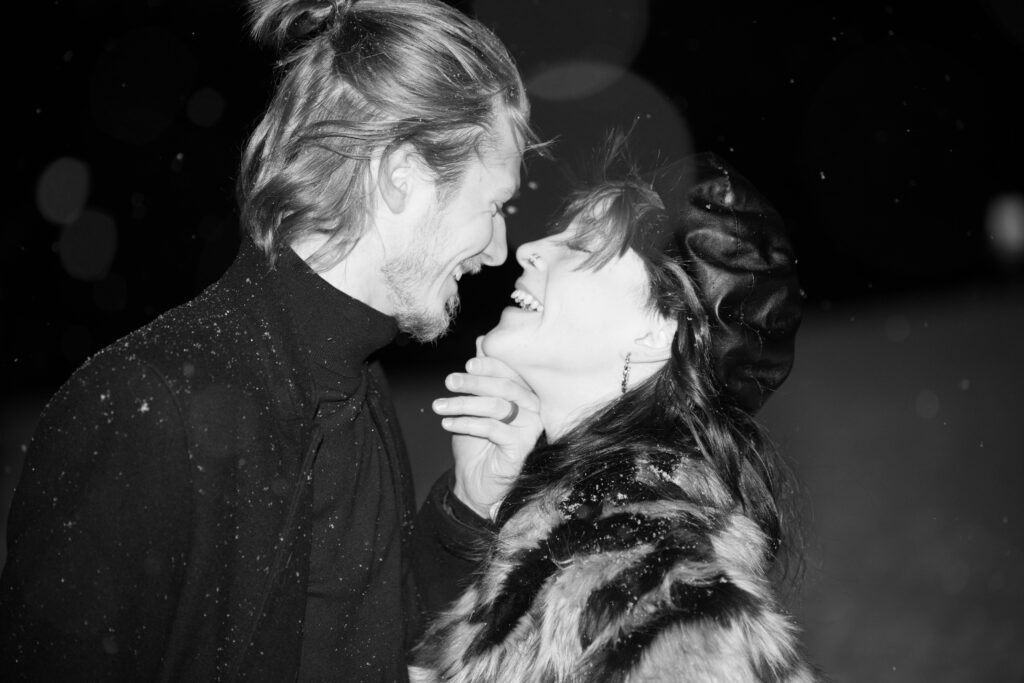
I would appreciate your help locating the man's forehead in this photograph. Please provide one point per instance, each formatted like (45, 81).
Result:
(505, 143)
(504, 167)
(506, 153)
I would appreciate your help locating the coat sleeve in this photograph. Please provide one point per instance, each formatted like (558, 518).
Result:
(449, 541)
(98, 530)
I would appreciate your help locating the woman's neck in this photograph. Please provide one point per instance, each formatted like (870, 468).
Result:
(568, 401)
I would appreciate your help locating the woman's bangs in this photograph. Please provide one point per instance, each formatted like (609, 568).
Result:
(599, 226)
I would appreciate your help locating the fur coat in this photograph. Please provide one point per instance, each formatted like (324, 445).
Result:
(631, 572)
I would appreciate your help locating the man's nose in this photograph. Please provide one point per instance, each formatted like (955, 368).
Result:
(497, 249)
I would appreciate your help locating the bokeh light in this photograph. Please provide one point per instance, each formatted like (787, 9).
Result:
(87, 246)
(573, 80)
(139, 84)
(631, 103)
(1004, 226)
(657, 133)
(897, 328)
(926, 404)
(1008, 15)
(205, 107)
(62, 190)
(570, 48)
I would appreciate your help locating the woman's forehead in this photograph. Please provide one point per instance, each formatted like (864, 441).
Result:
(584, 223)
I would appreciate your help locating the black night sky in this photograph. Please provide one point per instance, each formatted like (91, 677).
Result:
(884, 132)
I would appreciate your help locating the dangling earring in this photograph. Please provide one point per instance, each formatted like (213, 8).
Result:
(625, 372)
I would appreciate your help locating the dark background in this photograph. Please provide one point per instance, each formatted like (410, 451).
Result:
(888, 135)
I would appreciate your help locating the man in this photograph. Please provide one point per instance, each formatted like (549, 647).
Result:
(224, 493)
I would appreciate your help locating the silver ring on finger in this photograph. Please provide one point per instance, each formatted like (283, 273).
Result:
(512, 413)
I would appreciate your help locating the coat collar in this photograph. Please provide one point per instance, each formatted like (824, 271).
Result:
(251, 286)
(337, 332)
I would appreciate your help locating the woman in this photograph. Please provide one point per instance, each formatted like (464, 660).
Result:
(637, 540)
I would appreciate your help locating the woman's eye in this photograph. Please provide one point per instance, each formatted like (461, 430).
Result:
(576, 246)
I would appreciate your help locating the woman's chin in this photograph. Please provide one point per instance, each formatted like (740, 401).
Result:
(491, 342)
(509, 323)
(500, 343)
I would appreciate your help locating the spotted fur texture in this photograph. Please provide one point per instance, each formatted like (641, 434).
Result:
(618, 581)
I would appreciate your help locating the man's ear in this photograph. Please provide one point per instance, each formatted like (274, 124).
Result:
(655, 345)
(399, 175)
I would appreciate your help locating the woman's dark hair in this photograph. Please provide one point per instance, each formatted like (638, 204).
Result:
(358, 79)
(682, 411)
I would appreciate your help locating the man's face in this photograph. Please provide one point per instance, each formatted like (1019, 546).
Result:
(459, 235)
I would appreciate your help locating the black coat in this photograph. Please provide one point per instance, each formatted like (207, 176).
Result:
(161, 526)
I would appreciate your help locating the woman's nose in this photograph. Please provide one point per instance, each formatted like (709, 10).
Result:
(529, 255)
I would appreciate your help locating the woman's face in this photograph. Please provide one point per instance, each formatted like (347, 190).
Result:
(571, 323)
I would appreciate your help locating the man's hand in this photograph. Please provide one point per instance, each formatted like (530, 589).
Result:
(488, 452)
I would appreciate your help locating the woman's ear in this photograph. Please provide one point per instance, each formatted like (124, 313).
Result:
(655, 346)
(399, 175)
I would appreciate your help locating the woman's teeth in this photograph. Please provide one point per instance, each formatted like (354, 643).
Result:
(526, 301)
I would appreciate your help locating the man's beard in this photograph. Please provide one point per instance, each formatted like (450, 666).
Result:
(406, 278)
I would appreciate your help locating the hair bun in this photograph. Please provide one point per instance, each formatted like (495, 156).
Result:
(282, 24)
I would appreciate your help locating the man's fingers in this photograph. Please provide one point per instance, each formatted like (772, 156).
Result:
(474, 406)
(505, 437)
(491, 367)
(506, 389)
(475, 426)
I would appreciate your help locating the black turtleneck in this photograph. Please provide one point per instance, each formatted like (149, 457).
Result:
(359, 590)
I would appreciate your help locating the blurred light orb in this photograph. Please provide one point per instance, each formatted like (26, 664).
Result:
(926, 404)
(205, 107)
(110, 645)
(572, 80)
(1004, 225)
(87, 246)
(1009, 16)
(897, 328)
(631, 103)
(138, 85)
(62, 190)
(570, 48)
(658, 134)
